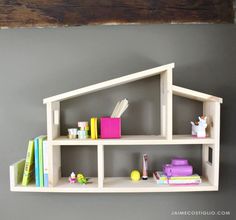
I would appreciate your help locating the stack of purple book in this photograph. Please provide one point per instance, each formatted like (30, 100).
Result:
(178, 172)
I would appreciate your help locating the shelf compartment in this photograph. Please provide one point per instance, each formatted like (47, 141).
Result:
(135, 140)
(62, 186)
(125, 184)
(107, 184)
(16, 173)
(111, 185)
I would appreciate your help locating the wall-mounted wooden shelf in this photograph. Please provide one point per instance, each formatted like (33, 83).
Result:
(113, 184)
(210, 170)
(135, 140)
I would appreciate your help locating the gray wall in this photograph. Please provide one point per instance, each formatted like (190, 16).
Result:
(38, 63)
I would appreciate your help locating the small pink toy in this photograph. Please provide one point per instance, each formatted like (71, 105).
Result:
(72, 178)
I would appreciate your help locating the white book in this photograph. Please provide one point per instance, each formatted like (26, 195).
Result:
(177, 181)
(193, 181)
(45, 163)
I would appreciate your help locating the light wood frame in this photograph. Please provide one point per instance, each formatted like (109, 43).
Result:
(210, 171)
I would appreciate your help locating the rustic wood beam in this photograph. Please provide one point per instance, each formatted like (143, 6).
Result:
(43, 13)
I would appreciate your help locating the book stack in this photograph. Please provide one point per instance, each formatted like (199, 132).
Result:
(36, 162)
(161, 178)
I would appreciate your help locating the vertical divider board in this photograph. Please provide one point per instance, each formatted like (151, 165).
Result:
(211, 170)
(54, 152)
(100, 161)
(53, 120)
(54, 168)
(166, 104)
(16, 173)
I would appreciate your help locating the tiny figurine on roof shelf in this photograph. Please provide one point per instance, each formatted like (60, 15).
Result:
(81, 178)
(72, 178)
(72, 133)
(135, 175)
(145, 167)
(199, 127)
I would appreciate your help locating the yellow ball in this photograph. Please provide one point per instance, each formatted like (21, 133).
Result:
(135, 175)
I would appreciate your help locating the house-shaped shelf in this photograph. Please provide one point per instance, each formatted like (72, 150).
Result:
(210, 169)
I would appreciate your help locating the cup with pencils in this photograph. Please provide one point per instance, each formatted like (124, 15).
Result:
(111, 126)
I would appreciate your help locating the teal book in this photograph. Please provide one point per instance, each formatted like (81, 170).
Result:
(28, 173)
(36, 161)
(41, 169)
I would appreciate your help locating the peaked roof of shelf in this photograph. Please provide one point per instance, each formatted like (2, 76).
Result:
(191, 94)
(180, 91)
(110, 83)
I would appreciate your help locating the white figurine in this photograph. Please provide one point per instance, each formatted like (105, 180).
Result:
(199, 128)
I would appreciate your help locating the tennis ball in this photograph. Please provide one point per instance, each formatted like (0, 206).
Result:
(135, 175)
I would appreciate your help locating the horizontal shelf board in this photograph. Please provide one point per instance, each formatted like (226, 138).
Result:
(62, 186)
(124, 184)
(114, 185)
(135, 140)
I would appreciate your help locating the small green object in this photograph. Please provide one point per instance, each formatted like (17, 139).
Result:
(81, 178)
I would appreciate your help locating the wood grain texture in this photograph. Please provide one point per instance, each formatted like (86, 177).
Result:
(43, 13)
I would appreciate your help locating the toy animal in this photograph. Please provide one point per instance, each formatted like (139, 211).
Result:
(72, 178)
(81, 178)
(199, 127)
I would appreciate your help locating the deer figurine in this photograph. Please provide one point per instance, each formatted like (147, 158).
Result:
(199, 127)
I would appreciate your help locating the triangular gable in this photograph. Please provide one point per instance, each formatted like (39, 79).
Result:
(110, 83)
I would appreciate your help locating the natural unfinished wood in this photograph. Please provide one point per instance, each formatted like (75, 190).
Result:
(16, 173)
(134, 140)
(37, 13)
(100, 153)
(166, 104)
(53, 127)
(212, 110)
(114, 185)
(110, 83)
(54, 166)
(191, 94)
(210, 171)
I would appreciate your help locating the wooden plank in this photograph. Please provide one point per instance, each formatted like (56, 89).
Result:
(110, 83)
(212, 111)
(54, 166)
(100, 153)
(207, 168)
(191, 94)
(134, 140)
(166, 104)
(115, 185)
(38, 13)
(16, 173)
(53, 129)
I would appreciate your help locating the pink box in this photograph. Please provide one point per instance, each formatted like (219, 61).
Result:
(110, 127)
